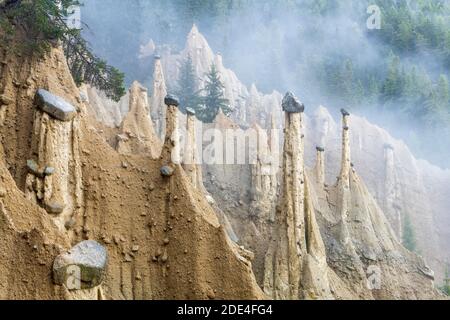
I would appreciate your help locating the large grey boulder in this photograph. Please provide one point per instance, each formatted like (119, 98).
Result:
(171, 100)
(291, 104)
(55, 106)
(82, 267)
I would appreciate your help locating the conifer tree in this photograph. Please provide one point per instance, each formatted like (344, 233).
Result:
(187, 87)
(392, 87)
(213, 100)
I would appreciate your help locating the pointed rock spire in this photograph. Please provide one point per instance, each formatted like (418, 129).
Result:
(159, 92)
(194, 30)
(391, 198)
(191, 163)
(274, 145)
(296, 257)
(264, 176)
(346, 160)
(137, 126)
(320, 166)
(171, 151)
(284, 259)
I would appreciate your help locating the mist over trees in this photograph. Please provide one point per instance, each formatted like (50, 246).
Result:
(187, 88)
(213, 100)
(397, 76)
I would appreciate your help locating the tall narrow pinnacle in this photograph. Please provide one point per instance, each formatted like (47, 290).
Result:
(296, 257)
(394, 213)
(346, 160)
(159, 91)
(282, 280)
(274, 145)
(190, 157)
(137, 131)
(320, 166)
(170, 152)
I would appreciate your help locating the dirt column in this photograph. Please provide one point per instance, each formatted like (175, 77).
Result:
(320, 166)
(346, 161)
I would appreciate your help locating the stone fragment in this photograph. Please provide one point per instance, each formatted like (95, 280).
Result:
(54, 208)
(166, 171)
(48, 171)
(427, 272)
(33, 167)
(210, 199)
(84, 97)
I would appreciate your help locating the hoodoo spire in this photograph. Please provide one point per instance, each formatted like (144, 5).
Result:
(320, 165)
(284, 259)
(54, 162)
(295, 266)
(159, 92)
(137, 132)
(264, 174)
(392, 190)
(170, 153)
(346, 160)
(190, 157)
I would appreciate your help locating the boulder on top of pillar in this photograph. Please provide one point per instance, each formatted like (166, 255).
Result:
(345, 113)
(55, 106)
(190, 111)
(171, 100)
(320, 149)
(291, 104)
